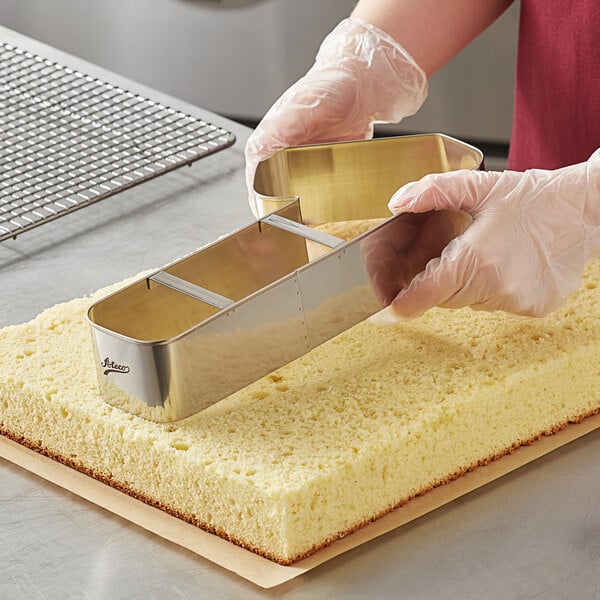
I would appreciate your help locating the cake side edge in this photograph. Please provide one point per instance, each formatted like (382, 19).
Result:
(288, 561)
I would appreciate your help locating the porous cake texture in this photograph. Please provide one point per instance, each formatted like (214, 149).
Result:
(327, 443)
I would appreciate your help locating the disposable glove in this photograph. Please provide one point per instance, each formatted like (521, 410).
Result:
(394, 253)
(524, 252)
(361, 75)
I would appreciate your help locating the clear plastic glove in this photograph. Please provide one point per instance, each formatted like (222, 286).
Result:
(402, 247)
(531, 235)
(361, 75)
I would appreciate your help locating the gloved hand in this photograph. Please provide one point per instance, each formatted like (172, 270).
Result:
(361, 75)
(401, 248)
(525, 250)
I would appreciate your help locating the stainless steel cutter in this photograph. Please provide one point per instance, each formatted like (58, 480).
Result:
(205, 326)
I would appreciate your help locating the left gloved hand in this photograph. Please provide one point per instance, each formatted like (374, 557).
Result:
(361, 75)
(524, 252)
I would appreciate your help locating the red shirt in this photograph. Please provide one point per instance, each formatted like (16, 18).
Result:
(557, 96)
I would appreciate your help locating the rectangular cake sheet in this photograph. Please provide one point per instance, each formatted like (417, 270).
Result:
(248, 565)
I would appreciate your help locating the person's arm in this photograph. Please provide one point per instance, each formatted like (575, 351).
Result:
(432, 31)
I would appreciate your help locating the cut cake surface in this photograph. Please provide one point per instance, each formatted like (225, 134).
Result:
(327, 443)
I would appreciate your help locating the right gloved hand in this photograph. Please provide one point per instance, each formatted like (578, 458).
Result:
(361, 75)
(524, 252)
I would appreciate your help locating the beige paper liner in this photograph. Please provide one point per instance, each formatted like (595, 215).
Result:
(248, 565)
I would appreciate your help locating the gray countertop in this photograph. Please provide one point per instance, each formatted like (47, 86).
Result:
(532, 534)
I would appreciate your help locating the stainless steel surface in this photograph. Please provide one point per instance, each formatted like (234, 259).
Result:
(320, 237)
(532, 534)
(178, 354)
(217, 320)
(68, 139)
(355, 180)
(165, 347)
(191, 289)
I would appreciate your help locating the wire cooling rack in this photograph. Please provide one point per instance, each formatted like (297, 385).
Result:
(68, 140)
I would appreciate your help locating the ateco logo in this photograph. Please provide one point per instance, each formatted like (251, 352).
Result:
(110, 366)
